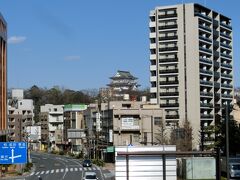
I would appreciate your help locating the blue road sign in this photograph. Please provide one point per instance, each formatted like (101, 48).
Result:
(13, 152)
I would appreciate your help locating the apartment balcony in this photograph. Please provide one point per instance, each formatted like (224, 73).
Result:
(153, 56)
(152, 35)
(208, 83)
(227, 85)
(206, 17)
(226, 25)
(152, 24)
(226, 55)
(202, 93)
(168, 60)
(226, 45)
(208, 61)
(205, 28)
(169, 105)
(153, 100)
(153, 78)
(209, 105)
(166, 71)
(205, 49)
(153, 46)
(228, 36)
(205, 39)
(168, 82)
(227, 75)
(206, 116)
(172, 26)
(153, 90)
(167, 15)
(168, 38)
(172, 116)
(168, 49)
(169, 93)
(226, 65)
(153, 68)
(204, 71)
(227, 96)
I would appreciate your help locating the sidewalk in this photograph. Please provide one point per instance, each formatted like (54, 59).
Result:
(109, 171)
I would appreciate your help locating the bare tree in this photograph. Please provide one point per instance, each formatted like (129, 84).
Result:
(162, 135)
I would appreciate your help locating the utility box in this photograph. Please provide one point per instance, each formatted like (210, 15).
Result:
(195, 168)
(144, 167)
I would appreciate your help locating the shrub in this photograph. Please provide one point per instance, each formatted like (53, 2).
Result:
(61, 153)
(98, 162)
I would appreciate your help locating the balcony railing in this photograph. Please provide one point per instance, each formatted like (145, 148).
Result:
(172, 116)
(205, 49)
(226, 75)
(206, 116)
(165, 71)
(226, 55)
(206, 71)
(206, 93)
(169, 105)
(167, 15)
(203, 16)
(206, 60)
(225, 35)
(226, 25)
(205, 27)
(168, 60)
(206, 82)
(168, 37)
(226, 45)
(226, 65)
(168, 82)
(227, 85)
(169, 93)
(206, 105)
(168, 49)
(227, 96)
(205, 39)
(168, 26)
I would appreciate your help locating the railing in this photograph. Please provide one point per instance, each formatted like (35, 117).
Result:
(170, 105)
(205, 49)
(168, 26)
(206, 82)
(168, 49)
(226, 65)
(205, 39)
(203, 16)
(226, 75)
(227, 85)
(168, 60)
(206, 60)
(206, 116)
(206, 93)
(167, 15)
(206, 104)
(225, 35)
(226, 25)
(169, 93)
(226, 45)
(168, 37)
(206, 71)
(168, 71)
(205, 27)
(226, 55)
(168, 82)
(172, 116)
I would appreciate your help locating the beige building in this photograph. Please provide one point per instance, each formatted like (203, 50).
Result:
(190, 64)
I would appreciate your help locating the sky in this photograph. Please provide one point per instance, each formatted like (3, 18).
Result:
(79, 44)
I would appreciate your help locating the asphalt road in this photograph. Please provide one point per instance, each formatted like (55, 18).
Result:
(56, 167)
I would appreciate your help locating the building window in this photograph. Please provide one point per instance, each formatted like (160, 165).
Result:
(157, 121)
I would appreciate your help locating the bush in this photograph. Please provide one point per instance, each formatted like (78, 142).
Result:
(79, 155)
(98, 162)
(71, 154)
(61, 153)
(54, 152)
(28, 167)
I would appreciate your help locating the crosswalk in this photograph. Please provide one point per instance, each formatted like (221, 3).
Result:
(63, 170)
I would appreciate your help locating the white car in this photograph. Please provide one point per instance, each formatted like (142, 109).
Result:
(90, 176)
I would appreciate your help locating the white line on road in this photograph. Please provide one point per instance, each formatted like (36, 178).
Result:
(62, 170)
(71, 169)
(57, 170)
(76, 169)
(37, 173)
(66, 169)
(32, 173)
(42, 172)
(47, 172)
(80, 169)
(52, 171)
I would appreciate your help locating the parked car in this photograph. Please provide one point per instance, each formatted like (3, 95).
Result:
(90, 176)
(87, 163)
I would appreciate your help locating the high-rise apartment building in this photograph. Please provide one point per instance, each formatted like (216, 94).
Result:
(3, 78)
(191, 64)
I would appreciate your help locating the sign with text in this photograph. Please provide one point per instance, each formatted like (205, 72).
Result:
(13, 152)
(129, 123)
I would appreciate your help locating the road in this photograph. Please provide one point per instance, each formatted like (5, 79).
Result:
(56, 167)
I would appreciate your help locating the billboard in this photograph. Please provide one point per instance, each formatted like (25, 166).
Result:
(130, 123)
(76, 133)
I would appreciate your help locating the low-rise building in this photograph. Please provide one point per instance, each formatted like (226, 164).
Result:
(51, 119)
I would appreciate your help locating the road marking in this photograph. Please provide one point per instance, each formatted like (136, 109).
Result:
(47, 172)
(42, 172)
(32, 173)
(57, 170)
(52, 171)
(37, 173)
(71, 169)
(94, 168)
(66, 169)
(85, 169)
(76, 169)
(62, 170)
(80, 169)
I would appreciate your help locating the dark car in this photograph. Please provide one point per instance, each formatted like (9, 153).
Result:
(87, 163)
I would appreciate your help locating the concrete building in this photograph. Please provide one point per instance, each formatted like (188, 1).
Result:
(74, 127)
(20, 116)
(51, 118)
(3, 79)
(191, 64)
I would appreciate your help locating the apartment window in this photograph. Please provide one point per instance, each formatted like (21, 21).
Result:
(157, 121)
